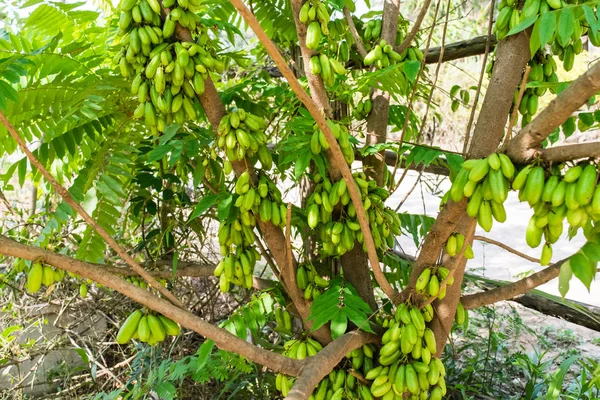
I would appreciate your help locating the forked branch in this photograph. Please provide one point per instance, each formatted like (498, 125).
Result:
(317, 367)
(525, 145)
(337, 158)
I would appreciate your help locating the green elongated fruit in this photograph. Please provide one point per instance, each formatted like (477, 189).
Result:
(301, 278)
(129, 327)
(457, 189)
(573, 174)
(485, 216)
(379, 391)
(549, 188)
(303, 15)
(417, 319)
(412, 381)
(337, 67)
(423, 279)
(315, 65)
(559, 194)
(521, 177)
(433, 289)
(494, 161)
(460, 314)
(35, 277)
(326, 72)
(430, 342)
(497, 186)
(596, 200)
(479, 171)
(48, 275)
(474, 203)
(586, 184)
(570, 200)
(546, 254)
(156, 327)
(470, 188)
(143, 330)
(506, 165)
(451, 246)
(535, 185)
(533, 234)
(503, 18)
(498, 211)
(313, 36)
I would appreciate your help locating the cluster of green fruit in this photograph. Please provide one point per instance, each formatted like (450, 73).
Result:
(341, 134)
(137, 282)
(455, 244)
(242, 134)
(167, 76)
(309, 280)
(147, 327)
(553, 197)
(407, 358)
(271, 207)
(339, 236)
(284, 320)
(326, 67)
(383, 55)
(238, 264)
(42, 274)
(509, 14)
(297, 349)
(363, 109)
(543, 69)
(339, 39)
(485, 182)
(429, 282)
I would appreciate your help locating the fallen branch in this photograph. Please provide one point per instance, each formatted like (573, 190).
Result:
(337, 158)
(221, 337)
(525, 146)
(514, 289)
(571, 152)
(318, 367)
(66, 196)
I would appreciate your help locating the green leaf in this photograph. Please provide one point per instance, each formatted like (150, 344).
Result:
(566, 24)
(165, 390)
(590, 17)
(526, 23)
(534, 42)
(555, 387)
(159, 152)
(302, 163)
(224, 207)
(592, 251)
(411, 69)
(204, 204)
(339, 323)
(583, 269)
(547, 27)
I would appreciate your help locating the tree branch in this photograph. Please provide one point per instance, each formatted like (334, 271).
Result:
(571, 152)
(66, 196)
(415, 29)
(221, 337)
(337, 157)
(524, 146)
(466, 48)
(318, 366)
(360, 46)
(507, 248)
(514, 289)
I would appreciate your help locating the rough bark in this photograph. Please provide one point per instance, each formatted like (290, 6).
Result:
(320, 365)
(571, 152)
(525, 146)
(355, 265)
(462, 49)
(221, 337)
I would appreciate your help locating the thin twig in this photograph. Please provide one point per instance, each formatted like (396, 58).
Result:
(507, 248)
(64, 193)
(481, 74)
(415, 29)
(337, 158)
